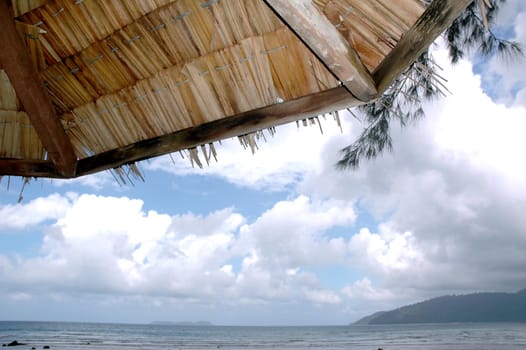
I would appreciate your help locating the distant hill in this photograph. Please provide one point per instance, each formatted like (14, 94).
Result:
(168, 323)
(477, 307)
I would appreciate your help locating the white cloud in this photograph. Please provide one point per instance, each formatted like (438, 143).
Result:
(364, 289)
(24, 215)
(224, 220)
(96, 181)
(472, 126)
(291, 234)
(322, 296)
(385, 252)
(449, 198)
(109, 245)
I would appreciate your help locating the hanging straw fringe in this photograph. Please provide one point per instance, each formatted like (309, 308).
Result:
(26, 181)
(249, 140)
(127, 172)
(193, 154)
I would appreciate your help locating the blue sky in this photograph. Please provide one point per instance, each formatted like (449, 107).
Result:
(281, 237)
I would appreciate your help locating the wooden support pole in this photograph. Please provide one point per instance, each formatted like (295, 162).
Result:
(317, 32)
(437, 17)
(28, 168)
(15, 60)
(282, 113)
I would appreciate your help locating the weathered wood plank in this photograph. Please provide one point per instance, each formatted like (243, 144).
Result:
(317, 32)
(28, 168)
(28, 85)
(436, 18)
(290, 111)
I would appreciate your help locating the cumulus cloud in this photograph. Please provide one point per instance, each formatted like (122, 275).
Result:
(384, 252)
(287, 238)
(448, 199)
(110, 246)
(322, 296)
(24, 215)
(290, 234)
(224, 220)
(97, 181)
(363, 289)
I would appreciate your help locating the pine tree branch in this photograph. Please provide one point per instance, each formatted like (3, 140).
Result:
(421, 82)
(402, 102)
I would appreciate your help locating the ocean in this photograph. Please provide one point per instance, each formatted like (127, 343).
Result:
(100, 336)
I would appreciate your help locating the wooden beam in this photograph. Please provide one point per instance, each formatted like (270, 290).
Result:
(29, 88)
(437, 17)
(290, 111)
(317, 32)
(28, 168)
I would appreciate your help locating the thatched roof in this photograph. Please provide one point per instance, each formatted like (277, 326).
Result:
(90, 85)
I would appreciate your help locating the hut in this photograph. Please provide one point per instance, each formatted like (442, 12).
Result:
(92, 85)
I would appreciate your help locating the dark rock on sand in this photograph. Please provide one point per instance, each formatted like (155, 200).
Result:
(45, 347)
(15, 343)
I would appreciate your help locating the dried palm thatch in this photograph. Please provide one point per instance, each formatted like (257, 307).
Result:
(102, 84)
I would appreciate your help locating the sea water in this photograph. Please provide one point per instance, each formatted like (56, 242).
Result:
(99, 336)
